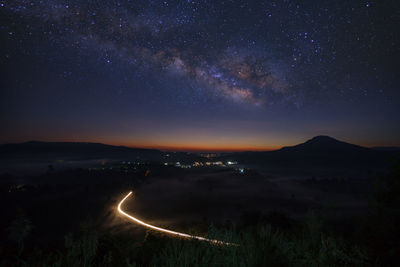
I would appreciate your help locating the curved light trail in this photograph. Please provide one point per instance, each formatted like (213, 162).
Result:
(214, 241)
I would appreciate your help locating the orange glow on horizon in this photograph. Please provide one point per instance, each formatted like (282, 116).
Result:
(189, 148)
(197, 145)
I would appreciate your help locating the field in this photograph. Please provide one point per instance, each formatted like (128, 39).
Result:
(191, 200)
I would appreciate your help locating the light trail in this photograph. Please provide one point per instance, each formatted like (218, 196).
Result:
(183, 235)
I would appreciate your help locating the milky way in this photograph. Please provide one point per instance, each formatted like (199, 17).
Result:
(286, 61)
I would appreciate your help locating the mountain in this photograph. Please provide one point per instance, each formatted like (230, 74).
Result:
(324, 145)
(72, 150)
(320, 151)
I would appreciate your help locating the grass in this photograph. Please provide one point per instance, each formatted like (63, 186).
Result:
(259, 245)
(263, 246)
(274, 242)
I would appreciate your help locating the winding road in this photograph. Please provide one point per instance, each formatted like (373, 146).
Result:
(159, 229)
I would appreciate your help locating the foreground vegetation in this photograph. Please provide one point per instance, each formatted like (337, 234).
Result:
(268, 241)
(259, 245)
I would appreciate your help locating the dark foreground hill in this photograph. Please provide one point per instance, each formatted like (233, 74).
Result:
(70, 150)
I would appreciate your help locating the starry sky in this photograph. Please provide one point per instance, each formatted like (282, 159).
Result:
(200, 75)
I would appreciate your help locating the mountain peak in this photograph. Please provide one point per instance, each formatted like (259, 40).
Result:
(323, 139)
(324, 144)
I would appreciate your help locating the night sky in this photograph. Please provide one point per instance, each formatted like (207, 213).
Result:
(209, 75)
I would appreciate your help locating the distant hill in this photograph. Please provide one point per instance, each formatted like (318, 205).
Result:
(324, 145)
(320, 151)
(71, 150)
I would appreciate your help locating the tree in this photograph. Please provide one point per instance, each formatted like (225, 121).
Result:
(19, 229)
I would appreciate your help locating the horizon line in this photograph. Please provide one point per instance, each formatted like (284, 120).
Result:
(185, 148)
